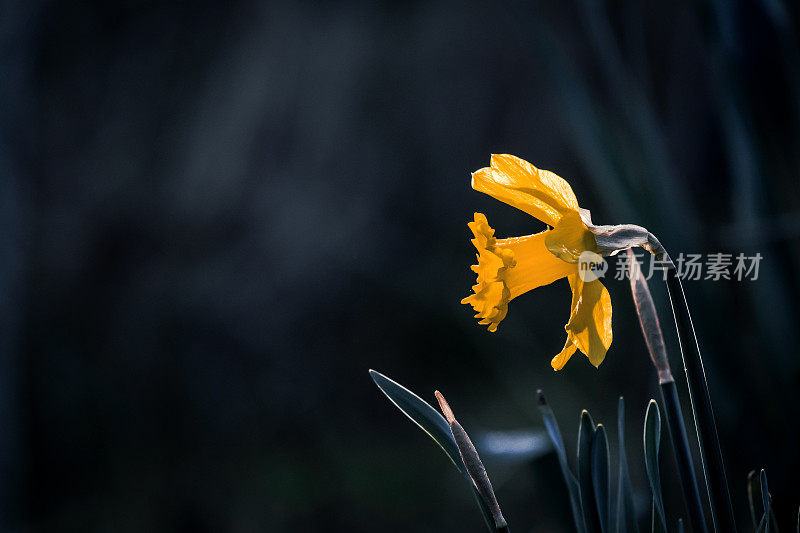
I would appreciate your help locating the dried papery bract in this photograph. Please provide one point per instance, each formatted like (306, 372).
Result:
(445, 407)
(614, 239)
(648, 319)
(473, 464)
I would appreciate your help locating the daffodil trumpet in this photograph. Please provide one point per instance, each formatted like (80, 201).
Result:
(570, 248)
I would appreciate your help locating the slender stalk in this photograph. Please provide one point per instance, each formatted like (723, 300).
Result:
(710, 451)
(651, 329)
(683, 456)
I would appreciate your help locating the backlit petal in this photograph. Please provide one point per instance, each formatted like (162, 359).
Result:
(540, 193)
(570, 238)
(561, 359)
(589, 324)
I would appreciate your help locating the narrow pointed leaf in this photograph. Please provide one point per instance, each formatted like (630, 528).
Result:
(652, 438)
(585, 438)
(601, 477)
(676, 430)
(422, 414)
(765, 499)
(751, 481)
(432, 423)
(554, 432)
(626, 513)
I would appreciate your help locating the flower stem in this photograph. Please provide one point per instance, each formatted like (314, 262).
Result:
(710, 451)
(654, 338)
(683, 456)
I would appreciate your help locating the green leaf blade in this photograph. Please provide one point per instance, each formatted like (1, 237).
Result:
(423, 415)
(652, 439)
(751, 480)
(553, 431)
(601, 482)
(434, 425)
(626, 512)
(586, 432)
(765, 500)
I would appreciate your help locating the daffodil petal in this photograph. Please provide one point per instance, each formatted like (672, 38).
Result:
(589, 324)
(570, 238)
(561, 359)
(540, 193)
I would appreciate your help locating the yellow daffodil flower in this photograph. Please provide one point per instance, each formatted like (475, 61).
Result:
(510, 267)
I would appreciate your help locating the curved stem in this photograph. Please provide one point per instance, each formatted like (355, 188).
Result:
(683, 456)
(710, 451)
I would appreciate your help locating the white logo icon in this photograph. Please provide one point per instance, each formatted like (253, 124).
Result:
(591, 266)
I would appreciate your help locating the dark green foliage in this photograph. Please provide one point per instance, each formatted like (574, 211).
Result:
(422, 414)
(766, 503)
(586, 432)
(626, 513)
(652, 438)
(435, 425)
(593, 482)
(601, 478)
(751, 477)
(590, 492)
(766, 522)
(554, 432)
(683, 456)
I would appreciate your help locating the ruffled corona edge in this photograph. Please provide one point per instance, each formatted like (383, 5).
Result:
(491, 294)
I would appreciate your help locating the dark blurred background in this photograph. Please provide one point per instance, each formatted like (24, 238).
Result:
(216, 216)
